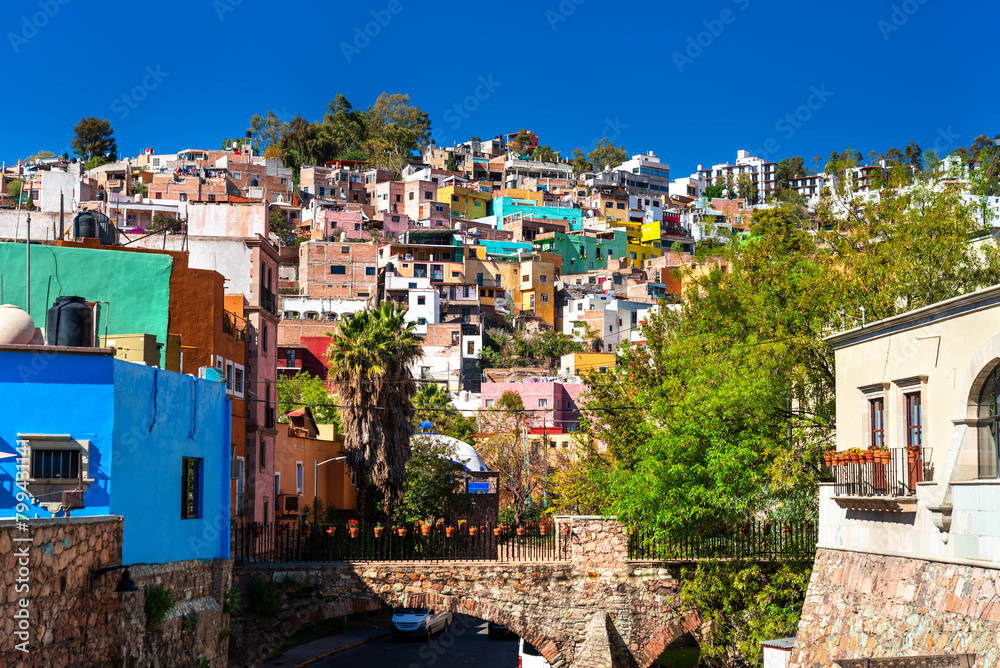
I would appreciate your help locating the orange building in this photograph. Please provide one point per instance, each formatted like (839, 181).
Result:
(309, 464)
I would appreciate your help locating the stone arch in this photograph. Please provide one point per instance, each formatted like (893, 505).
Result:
(983, 362)
(268, 637)
(690, 623)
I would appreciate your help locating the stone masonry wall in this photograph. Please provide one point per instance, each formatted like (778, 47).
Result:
(869, 606)
(46, 571)
(198, 588)
(548, 603)
(70, 621)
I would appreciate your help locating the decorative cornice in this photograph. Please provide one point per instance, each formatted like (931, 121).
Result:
(934, 661)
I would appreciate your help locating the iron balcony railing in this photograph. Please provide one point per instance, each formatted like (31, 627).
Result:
(894, 472)
(268, 302)
(292, 541)
(751, 539)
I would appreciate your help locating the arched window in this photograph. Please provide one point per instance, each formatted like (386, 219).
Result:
(989, 417)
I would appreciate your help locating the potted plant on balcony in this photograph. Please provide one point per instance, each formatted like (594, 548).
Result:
(869, 455)
(473, 530)
(425, 528)
(353, 528)
(520, 531)
(401, 532)
(378, 530)
(498, 529)
(330, 531)
(449, 532)
(828, 455)
(462, 524)
(854, 455)
(915, 467)
(565, 528)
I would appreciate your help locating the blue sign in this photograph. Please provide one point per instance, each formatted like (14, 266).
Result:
(479, 488)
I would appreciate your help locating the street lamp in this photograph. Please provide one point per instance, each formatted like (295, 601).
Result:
(125, 584)
(316, 465)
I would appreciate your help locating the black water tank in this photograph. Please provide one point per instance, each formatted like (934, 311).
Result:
(70, 322)
(85, 225)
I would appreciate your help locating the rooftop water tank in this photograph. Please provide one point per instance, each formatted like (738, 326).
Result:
(70, 322)
(16, 326)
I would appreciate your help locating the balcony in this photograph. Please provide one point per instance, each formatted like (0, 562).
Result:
(437, 276)
(488, 283)
(882, 481)
(233, 325)
(268, 302)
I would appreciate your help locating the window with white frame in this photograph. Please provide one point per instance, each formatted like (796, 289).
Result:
(229, 377)
(298, 478)
(239, 374)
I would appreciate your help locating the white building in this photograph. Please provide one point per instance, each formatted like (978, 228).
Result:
(689, 186)
(645, 174)
(614, 319)
(762, 172)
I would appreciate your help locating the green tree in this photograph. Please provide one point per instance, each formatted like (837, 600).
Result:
(788, 169)
(452, 164)
(95, 137)
(746, 187)
(523, 139)
(394, 130)
(606, 155)
(303, 143)
(344, 127)
(162, 221)
(431, 488)
(914, 156)
(41, 155)
(265, 131)
(371, 357)
(304, 389)
(544, 154)
(279, 224)
(580, 163)
(433, 404)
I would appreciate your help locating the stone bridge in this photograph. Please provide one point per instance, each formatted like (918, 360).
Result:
(595, 609)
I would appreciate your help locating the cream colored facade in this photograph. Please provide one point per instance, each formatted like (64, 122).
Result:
(944, 354)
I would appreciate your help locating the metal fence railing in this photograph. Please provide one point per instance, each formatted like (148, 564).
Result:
(291, 541)
(894, 472)
(751, 540)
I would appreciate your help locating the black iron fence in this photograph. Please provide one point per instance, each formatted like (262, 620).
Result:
(892, 472)
(306, 542)
(752, 540)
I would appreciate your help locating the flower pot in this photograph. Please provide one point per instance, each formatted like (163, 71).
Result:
(828, 459)
(869, 456)
(854, 457)
(306, 532)
(257, 531)
(378, 532)
(473, 531)
(331, 531)
(425, 529)
(542, 530)
(565, 530)
(401, 533)
(354, 531)
(520, 531)
(449, 531)
(497, 531)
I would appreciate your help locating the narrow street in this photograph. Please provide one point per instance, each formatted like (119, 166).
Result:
(466, 644)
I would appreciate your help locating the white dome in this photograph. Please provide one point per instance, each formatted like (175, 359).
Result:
(462, 452)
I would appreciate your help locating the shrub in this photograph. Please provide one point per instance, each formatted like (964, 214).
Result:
(158, 604)
(231, 601)
(263, 597)
(190, 622)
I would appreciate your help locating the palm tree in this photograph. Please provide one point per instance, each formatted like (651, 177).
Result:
(370, 368)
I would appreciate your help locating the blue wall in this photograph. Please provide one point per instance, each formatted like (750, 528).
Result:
(136, 447)
(191, 419)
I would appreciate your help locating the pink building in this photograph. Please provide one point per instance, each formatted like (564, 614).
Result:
(546, 403)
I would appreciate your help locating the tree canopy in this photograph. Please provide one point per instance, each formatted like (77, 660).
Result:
(95, 137)
(606, 155)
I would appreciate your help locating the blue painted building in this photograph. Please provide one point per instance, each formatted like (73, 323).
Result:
(506, 206)
(150, 445)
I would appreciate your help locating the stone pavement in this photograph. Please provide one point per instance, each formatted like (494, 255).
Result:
(318, 649)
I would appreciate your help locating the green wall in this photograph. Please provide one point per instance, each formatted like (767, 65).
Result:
(137, 285)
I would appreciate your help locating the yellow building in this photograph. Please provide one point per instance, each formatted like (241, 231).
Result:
(537, 285)
(639, 253)
(495, 278)
(468, 203)
(578, 364)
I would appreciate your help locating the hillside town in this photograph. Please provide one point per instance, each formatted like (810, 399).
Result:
(182, 324)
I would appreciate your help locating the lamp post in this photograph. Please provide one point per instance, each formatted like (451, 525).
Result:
(316, 465)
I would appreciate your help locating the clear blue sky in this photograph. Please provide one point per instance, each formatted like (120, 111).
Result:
(693, 82)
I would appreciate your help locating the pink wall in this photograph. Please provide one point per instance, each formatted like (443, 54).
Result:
(562, 399)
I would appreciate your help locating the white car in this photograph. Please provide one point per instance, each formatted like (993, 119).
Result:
(528, 656)
(419, 622)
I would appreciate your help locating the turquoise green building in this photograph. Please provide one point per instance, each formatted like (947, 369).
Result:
(583, 253)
